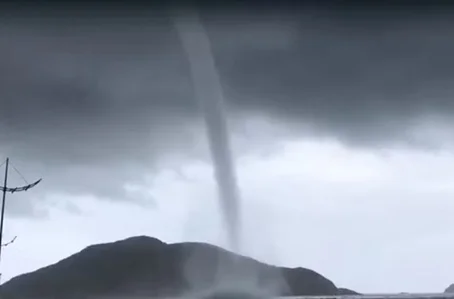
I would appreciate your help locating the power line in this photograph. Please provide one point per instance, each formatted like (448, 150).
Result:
(18, 172)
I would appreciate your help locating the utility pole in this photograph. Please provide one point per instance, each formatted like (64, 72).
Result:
(11, 190)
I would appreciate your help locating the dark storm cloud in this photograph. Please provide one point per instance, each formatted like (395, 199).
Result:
(90, 103)
(363, 76)
(87, 104)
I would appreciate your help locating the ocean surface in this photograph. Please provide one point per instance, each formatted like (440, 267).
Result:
(380, 296)
(365, 296)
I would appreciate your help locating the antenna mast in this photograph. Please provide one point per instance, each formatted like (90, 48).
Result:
(5, 190)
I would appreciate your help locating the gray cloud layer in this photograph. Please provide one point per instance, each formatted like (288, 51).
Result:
(363, 78)
(91, 103)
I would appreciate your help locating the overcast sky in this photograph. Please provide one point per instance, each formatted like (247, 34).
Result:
(341, 131)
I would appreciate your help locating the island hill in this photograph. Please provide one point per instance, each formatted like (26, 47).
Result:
(145, 266)
(450, 289)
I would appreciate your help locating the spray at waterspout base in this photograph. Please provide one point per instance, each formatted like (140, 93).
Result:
(234, 290)
(235, 294)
